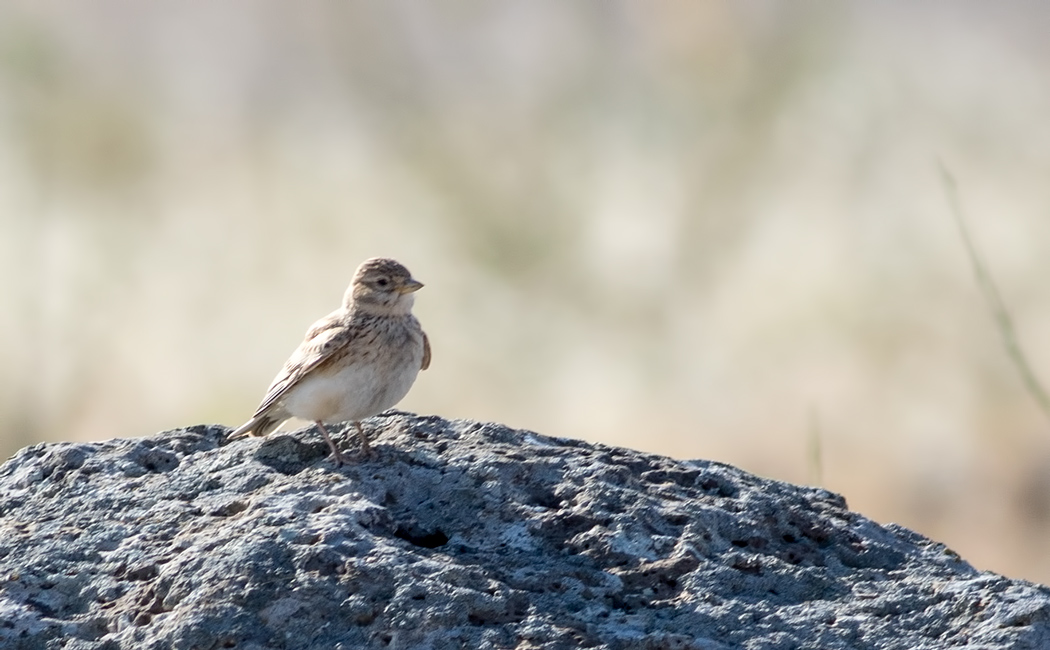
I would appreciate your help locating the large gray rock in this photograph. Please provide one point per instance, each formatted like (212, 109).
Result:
(464, 535)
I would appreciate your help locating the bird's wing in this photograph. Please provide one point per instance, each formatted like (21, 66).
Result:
(324, 340)
(426, 352)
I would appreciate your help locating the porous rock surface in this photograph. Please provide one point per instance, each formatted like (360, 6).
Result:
(460, 534)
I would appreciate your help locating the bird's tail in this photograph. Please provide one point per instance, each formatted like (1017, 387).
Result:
(259, 425)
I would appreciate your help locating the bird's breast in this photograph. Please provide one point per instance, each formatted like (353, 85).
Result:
(374, 373)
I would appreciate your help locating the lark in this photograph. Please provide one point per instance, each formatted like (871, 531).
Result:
(354, 363)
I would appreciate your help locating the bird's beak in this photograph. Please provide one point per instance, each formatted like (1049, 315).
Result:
(409, 286)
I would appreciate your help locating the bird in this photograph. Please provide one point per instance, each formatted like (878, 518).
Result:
(354, 363)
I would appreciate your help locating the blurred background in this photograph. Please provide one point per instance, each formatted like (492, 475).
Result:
(707, 230)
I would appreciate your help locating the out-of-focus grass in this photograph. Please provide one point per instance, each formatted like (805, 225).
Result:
(682, 228)
(1000, 314)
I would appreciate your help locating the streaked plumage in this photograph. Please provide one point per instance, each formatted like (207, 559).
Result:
(355, 362)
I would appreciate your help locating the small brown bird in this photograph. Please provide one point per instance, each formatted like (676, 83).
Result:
(355, 362)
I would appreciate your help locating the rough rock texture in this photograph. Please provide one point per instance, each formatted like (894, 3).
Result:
(461, 534)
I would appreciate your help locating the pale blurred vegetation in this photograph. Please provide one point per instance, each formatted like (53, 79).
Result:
(703, 229)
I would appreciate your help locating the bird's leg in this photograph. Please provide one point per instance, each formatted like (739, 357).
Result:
(339, 460)
(365, 449)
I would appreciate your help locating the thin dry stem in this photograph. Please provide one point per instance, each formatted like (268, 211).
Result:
(1003, 321)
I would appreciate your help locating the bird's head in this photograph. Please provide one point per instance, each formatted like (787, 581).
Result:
(383, 286)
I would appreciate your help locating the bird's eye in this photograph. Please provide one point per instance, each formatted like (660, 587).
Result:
(382, 283)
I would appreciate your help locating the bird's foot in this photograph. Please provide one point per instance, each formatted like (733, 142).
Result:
(337, 456)
(366, 449)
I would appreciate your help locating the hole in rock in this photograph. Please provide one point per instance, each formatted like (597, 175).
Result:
(432, 539)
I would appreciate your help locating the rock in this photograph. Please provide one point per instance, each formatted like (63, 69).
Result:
(459, 534)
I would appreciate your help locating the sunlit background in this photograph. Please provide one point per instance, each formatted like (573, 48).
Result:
(702, 229)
